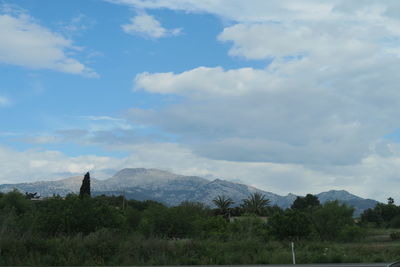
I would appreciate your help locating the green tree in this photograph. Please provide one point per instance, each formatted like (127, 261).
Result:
(331, 218)
(155, 221)
(85, 187)
(74, 215)
(387, 211)
(291, 224)
(272, 210)
(248, 227)
(14, 201)
(51, 219)
(223, 204)
(382, 214)
(371, 216)
(309, 202)
(395, 222)
(210, 227)
(256, 203)
(16, 213)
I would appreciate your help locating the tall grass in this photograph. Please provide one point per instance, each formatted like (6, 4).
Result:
(106, 247)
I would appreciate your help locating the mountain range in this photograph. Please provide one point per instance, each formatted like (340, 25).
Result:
(172, 189)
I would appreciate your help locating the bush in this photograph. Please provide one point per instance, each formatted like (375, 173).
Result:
(395, 222)
(248, 227)
(351, 233)
(291, 225)
(331, 218)
(211, 227)
(395, 236)
(16, 202)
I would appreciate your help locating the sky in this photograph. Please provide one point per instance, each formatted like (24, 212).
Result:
(290, 96)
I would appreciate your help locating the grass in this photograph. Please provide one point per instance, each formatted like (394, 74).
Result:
(107, 248)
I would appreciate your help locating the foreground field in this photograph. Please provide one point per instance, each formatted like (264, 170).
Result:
(105, 247)
(83, 231)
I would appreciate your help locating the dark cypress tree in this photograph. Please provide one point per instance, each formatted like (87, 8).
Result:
(85, 187)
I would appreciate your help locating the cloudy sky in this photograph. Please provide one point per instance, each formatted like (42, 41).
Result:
(297, 96)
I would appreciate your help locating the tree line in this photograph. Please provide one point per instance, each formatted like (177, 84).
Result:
(48, 231)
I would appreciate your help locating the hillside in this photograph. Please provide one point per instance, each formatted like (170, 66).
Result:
(172, 189)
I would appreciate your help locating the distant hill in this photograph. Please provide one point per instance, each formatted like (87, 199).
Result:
(172, 189)
(48, 188)
(359, 204)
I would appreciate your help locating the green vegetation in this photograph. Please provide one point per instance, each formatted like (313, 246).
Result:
(309, 202)
(256, 204)
(109, 230)
(223, 205)
(383, 215)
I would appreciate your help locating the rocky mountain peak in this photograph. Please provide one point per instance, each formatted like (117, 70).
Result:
(172, 189)
(336, 194)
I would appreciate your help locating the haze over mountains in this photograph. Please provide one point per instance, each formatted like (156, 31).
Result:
(172, 189)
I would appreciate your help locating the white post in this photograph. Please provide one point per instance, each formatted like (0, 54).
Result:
(294, 256)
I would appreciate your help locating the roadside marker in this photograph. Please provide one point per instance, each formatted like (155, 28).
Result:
(293, 255)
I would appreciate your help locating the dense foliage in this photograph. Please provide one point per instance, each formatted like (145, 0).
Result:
(383, 215)
(110, 230)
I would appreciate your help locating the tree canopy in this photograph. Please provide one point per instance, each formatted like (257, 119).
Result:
(256, 203)
(223, 204)
(305, 203)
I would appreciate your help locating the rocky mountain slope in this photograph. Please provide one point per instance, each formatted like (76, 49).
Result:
(172, 189)
(359, 204)
(48, 188)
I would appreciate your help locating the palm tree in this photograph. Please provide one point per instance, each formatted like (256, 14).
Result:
(256, 203)
(223, 204)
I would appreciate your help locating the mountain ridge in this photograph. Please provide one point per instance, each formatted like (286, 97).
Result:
(172, 189)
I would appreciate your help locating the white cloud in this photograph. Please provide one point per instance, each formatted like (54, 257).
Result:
(308, 111)
(204, 82)
(329, 93)
(33, 165)
(283, 27)
(4, 101)
(260, 41)
(347, 38)
(312, 120)
(148, 26)
(24, 42)
(90, 131)
(105, 123)
(78, 24)
(272, 10)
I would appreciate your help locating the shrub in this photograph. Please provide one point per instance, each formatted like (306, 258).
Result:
(395, 235)
(395, 222)
(331, 218)
(351, 233)
(292, 224)
(248, 227)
